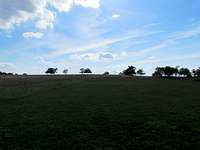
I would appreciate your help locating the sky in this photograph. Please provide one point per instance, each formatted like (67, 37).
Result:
(103, 35)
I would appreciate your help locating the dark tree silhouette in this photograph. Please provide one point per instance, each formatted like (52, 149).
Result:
(106, 73)
(141, 72)
(65, 71)
(166, 71)
(4, 73)
(87, 70)
(82, 70)
(196, 73)
(170, 71)
(176, 70)
(131, 70)
(185, 72)
(159, 72)
(51, 71)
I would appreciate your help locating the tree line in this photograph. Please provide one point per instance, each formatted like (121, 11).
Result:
(167, 71)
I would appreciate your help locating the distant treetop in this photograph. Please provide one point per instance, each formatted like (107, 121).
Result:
(131, 70)
(87, 70)
(51, 70)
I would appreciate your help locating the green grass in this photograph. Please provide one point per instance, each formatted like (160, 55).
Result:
(101, 113)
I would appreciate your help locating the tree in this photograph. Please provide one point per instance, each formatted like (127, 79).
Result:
(5, 73)
(185, 72)
(106, 73)
(166, 71)
(65, 71)
(82, 70)
(51, 71)
(131, 70)
(176, 70)
(87, 70)
(141, 72)
(196, 73)
(159, 72)
(169, 71)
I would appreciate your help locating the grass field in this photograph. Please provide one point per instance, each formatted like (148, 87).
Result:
(98, 113)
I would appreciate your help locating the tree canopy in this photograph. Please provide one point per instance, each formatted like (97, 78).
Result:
(131, 70)
(106, 73)
(141, 72)
(166, 71)
(185, 72)
(51, 71)
(87, 70)
(65, 71)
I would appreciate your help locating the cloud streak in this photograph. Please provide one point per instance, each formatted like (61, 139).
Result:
(172, 58)
(99, 57)
(102, 43)
(37, 35)
(115, 16)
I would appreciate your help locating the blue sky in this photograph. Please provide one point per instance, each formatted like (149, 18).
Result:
(104, 35)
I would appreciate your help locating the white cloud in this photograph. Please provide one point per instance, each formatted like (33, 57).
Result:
(5, 66)
(115, 16)
(46, 19)
(15, 12)
(36, 35)
(99, 57)
(152, 57)
(93, 56)
(62, 5)
(88, 3)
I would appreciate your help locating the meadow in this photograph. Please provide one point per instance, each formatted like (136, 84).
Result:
(98, 113)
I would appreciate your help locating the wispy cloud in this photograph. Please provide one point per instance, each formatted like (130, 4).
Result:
(37, 35)
(6, 66)
(168, 59)
(170, 40)
(93, 45)
(156, 47)
(99, 57)
(115, 16)
(102, 43)
(194, 31)
(43, 61)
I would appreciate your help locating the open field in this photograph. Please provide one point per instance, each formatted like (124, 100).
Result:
(96, 112)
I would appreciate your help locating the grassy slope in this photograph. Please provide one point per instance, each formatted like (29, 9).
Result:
(99, 113)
